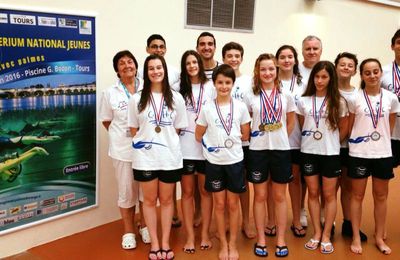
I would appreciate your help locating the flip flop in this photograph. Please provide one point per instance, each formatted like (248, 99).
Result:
(176, 222)
(281, 251)
(153, 255)
(260, 250)
(324, 249)
(312, 244)
(270, 231)
(166, 252)
(297, 231)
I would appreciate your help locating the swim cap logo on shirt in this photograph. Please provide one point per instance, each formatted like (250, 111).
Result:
(122, 105)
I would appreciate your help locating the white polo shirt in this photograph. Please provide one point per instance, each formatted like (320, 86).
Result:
(114, 108)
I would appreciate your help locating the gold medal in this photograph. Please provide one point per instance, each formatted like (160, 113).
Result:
(261, 127)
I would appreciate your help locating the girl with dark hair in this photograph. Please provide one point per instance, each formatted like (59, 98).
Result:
(196, 91)
(113, 115)
(273, 113)
(323, 120)
(371, 122)
(155, 116)
(290, 81)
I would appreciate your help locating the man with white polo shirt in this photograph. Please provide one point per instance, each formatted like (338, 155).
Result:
(311, 50)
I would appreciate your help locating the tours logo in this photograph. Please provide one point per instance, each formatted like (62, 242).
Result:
(22, 19)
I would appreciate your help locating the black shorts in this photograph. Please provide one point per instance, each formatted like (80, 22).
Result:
(245, 156)
(396, 152)
(296, 156)
(171, 176)
(192, 166)
(221, 177)
(265, 162)
(360, 168)
(324, 165)
(344, 157)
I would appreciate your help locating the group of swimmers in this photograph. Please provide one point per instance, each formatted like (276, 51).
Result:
(290, 124)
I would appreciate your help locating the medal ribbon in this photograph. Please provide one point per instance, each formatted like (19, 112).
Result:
(227, 125)
(273, 115)
(374, 118)
(126, 90)
(317, 115)
(197, 105)
(157, 114)
(292, 83)
(396, 78)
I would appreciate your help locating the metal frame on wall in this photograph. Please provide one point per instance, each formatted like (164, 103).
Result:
(48, 151)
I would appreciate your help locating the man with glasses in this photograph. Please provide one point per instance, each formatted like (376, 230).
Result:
(156, 45)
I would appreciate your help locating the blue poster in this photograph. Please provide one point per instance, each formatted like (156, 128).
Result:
(47, 116)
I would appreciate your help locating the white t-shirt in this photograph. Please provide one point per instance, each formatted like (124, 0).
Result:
(387, 83)
(191, 149)
(305, 73)
(296, 92)
(361, 143)
(173, 75)
(151, 150)
(215, 138)
(329, 144)
(349, 96)
(243, 84)
(264, 140)
(114, 108)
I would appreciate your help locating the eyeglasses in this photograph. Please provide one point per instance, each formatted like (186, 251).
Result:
(155, 47)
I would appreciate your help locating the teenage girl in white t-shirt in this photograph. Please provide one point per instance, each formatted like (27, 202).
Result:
(196, 90)
(323, 118)
(371, 121)
(290, 80)
(273, 115)
(113, 115)
(155, 116)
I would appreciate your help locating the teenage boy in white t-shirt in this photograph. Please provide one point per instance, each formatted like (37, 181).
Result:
(221, 127)
(232, 54)
(391, 82)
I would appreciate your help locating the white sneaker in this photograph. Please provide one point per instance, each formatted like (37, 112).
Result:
(128, 241)
(144, 233)
(303, 217)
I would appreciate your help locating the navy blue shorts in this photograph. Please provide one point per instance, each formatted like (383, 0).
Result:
(344, 157)
(324, 165)
(225, 177)
(396, 152)
(360, 168)
(296, 156)
(265, 162)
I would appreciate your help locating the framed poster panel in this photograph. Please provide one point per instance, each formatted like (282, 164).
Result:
(48, 116)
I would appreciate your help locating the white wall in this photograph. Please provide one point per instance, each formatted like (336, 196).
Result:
(356, 26)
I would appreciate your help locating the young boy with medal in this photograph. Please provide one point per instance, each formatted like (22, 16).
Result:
(222, 125)
(371, 122)
(232, 54)
(273, 115)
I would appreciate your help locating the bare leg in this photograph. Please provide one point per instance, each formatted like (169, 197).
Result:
(206, 213)
(260, 196)
(270, 207)
(357, 197)
(245, 206)
(314, 206)
(219, 208)
(166, 191)
(150, 192)
(197, 203)
(188, 187)
(329, 186)
(380, 190)
(295, 197)
(233, 205)
(279, 196)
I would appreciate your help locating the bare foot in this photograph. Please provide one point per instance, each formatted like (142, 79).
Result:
(248, 231)
(356, 247)
(383, 247)
(189, 247)
(233, 253)
(206, 244)
(223, 254)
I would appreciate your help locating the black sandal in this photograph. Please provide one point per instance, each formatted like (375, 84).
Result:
(281, 251)
(154, 253)
(270, 231)
(166, 252)
(260, 250)
(297, 231)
